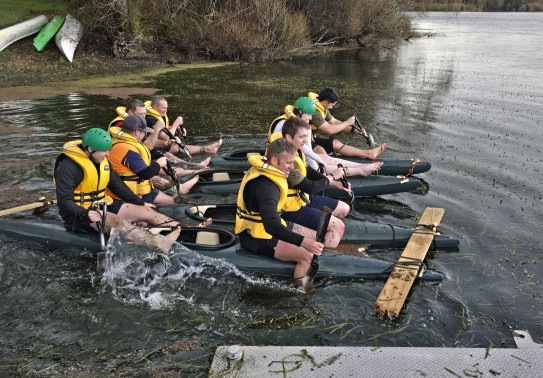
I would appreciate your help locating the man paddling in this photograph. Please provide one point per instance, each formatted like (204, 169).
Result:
(261, 199)
(325, 122)
(157, 110)
(81, 175)
(151, 140)
(304, 108)
(131, 159)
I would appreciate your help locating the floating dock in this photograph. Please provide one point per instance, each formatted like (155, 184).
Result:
(376, 362)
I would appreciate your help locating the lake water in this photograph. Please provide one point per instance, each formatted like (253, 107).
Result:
(466, 97)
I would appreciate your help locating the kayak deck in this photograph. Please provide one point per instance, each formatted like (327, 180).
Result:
(54, 236)
(228, 181)
(390, 167)
(356, 231)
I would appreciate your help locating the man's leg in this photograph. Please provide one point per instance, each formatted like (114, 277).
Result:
(347, 150)
(146, 214)
(307, 219)
(139, 236)
(290, 252)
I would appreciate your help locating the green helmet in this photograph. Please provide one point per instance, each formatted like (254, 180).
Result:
(306, 105)
(97, 139)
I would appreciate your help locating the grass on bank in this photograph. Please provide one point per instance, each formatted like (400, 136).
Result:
(14, 11)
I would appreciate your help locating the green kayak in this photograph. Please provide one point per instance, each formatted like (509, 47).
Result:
(221, 245)
(48, 32)
(390, 167)
(356, 231)
(228, 181)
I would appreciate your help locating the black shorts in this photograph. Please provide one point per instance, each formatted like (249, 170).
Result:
(151, 196)
(84, 225)
(326, 143)
(264, 247)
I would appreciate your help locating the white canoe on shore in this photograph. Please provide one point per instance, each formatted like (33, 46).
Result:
(22, 29)
(68, 37)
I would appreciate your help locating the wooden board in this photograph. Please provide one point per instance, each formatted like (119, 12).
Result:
(401, 279)
(30, 206)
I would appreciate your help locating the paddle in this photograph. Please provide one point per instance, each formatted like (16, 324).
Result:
(324, 220)
(369, 137)
(100, 256)
(170, 172)
(30, 206)
(345, 184)
(170, 135)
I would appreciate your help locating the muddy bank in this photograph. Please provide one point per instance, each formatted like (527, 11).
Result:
(28, 74)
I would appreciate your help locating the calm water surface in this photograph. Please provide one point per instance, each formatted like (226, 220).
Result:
(466, 97)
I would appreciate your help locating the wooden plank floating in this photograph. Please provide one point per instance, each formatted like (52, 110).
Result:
(30, 206)
(403, 275)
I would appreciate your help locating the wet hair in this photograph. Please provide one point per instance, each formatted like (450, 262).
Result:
(328, 94)
(292, 125)
(155, 100)
(277, 147)
(133, 104)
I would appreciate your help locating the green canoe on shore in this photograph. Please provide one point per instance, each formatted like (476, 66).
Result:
(356, 231)
(48, 32)
(54, 236)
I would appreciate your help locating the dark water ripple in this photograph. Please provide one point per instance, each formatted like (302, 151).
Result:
(455, 99)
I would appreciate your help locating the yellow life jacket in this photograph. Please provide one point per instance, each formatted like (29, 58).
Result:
(152, 112)
(289, 112)
(121, 115)
(134, 182)
(295, 198)
(252, 221)
(313, 96)
(93, 186)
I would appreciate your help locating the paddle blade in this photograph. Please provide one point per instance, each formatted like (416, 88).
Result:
(371, 141)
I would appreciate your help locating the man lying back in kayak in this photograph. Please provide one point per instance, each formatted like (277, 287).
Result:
(305, 108)
(131, 159)
(261, 199)
(326, 123)
(81, 175)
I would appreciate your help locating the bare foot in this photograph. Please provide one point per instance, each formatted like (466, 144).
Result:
(206, 223)
(164, 243)
(204, 163)
(364, 169)
(212, 148)
(374, 152)
(185, 187)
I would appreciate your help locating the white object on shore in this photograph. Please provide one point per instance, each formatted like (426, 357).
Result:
(68, 37)
(22, 29)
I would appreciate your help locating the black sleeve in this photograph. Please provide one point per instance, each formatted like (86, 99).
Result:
(117, 186)
(149, 172)
(68, 175)
(314, 183)
(150, 121)
(262, 195)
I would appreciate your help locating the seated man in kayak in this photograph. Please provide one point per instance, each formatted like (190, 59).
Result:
(261, 199)
(81, 175)
(304, 108)
(131, 159)
(304, 205)
(325, 122)
(137, 107)
(156, 112)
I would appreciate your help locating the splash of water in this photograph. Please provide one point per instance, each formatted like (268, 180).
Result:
(137, 274)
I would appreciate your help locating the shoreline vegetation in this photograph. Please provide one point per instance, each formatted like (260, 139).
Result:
(123, 36)
(131, 36)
